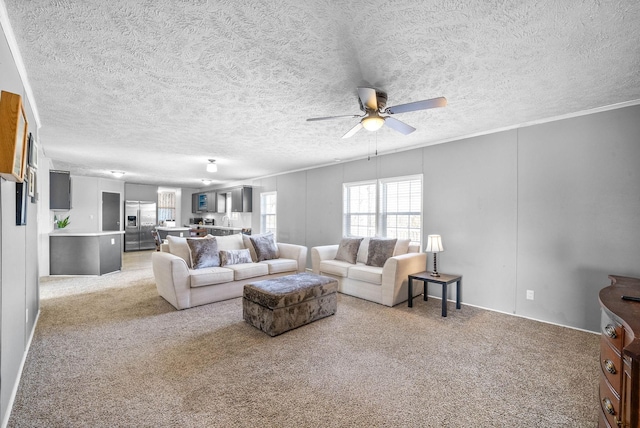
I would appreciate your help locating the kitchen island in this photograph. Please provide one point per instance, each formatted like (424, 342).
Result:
(217, 230)
(84, 253)
(182, 232)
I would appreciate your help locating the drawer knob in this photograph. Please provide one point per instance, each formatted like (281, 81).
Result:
(610, 367)
(608, 406)
(610, 331)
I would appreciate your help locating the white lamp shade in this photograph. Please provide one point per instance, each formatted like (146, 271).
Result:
(212, 167)
(434, 244)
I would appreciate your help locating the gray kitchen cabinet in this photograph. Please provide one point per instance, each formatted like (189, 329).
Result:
(59, 190)
(194, 203)
(241, 199)
(211, 202)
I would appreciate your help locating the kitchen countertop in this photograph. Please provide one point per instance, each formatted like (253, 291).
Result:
(174, 228)
(64, 232)
(208, 226)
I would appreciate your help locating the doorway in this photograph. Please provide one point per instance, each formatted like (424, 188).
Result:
(110, 211)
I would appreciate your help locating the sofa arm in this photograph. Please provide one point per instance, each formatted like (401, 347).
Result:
(294, 252)
(395, 276)
(172, 279)
(324, 252)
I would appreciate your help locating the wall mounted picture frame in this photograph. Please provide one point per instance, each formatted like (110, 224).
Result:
(32, 151)
(21, 203)
(13, 137)
(31, 179)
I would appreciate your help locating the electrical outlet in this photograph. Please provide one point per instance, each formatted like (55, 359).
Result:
(529, 294)
(113, 241)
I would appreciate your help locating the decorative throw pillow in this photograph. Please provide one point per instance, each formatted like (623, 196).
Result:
(265, 246)
(379, 251)
(234, 257)
(348, 250)
(204, 252)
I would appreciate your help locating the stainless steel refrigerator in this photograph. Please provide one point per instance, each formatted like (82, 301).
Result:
(139, 219)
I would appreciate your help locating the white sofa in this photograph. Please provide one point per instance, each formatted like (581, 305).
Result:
(387, 285)
(185, 287)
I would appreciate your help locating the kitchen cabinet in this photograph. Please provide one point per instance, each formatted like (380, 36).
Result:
(194, 202)
(221, 205)
(59, 190)
(211, 202)
(199, 202)
(241, 199)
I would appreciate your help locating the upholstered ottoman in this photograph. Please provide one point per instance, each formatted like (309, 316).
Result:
(287, 302)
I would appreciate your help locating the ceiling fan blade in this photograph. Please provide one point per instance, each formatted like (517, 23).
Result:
(417, 105)
(368, 98)
(313, 119)
(353, 130)
(399, 126)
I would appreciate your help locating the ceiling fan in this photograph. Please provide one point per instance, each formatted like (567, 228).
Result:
(373, 104)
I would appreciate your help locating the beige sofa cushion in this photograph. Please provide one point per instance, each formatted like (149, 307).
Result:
(335, 267)
(209, 276)
(402, 247)
(248, 270)
(230, 242)
(281, 265)
(178, 247)
(370, 274)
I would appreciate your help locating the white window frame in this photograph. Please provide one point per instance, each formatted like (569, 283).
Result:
(266, 214)
(366, 214)
(411, 210)
(167, 212)
(378, 225)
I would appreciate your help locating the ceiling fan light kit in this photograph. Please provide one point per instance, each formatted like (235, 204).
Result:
(372, 123)
(373, 103)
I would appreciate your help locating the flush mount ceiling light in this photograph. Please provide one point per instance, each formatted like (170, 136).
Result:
(211, 166)
(206, 182)
(117, 174)
(373, 122)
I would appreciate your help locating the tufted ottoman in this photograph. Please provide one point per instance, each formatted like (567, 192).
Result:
(287, 302)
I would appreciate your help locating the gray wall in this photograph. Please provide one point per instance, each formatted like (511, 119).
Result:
(552, 208)
(19, 300)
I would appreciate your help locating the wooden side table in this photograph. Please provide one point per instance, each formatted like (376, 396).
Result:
(443, 279)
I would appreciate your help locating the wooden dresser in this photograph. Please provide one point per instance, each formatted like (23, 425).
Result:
(620, 354)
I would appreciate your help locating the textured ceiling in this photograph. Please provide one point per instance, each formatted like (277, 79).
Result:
(155, 88)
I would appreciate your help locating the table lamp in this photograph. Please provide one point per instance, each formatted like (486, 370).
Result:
(434, 245)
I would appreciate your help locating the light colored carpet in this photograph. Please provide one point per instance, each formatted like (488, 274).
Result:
(110, 352)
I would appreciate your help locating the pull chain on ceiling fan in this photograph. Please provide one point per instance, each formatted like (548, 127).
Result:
(373, 103)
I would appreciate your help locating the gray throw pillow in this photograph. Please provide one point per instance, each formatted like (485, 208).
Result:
(380, 250)
(265, 246)
(348, 250)
(235, 257)
(204, 252)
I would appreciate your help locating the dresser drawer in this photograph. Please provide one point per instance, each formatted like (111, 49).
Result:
(611, 331)
(609, 403)
(611, 365)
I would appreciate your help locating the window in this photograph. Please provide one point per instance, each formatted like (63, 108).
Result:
(390, 208)
(401, 211)
(166, 206)
(360, 209)
(268, 204)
